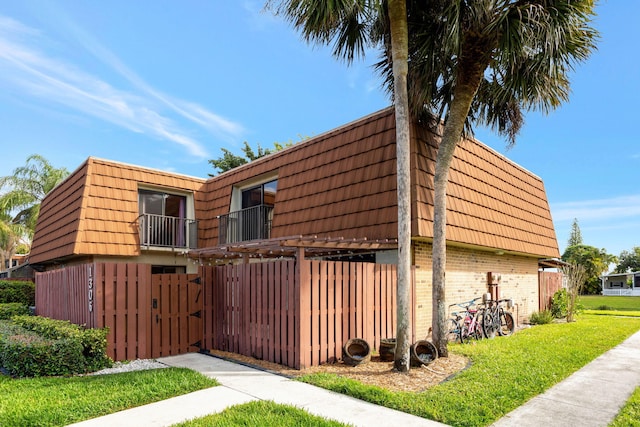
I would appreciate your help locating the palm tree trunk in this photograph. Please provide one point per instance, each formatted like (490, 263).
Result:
(459, 109)
(399, 52)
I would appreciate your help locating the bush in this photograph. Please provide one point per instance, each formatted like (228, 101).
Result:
(18, 291)
(10, 309)
(65, 338)
(24, 353)
(560, 304)
(541, 317)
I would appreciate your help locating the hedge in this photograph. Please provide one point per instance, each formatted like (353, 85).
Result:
(10, 309)
(23, 292)
(37, 346)
(27, 354)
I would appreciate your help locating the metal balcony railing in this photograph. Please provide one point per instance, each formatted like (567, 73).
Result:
(168, 231)
(247, 224)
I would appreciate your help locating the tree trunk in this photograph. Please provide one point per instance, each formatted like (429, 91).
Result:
(399, 52)
(458, 110)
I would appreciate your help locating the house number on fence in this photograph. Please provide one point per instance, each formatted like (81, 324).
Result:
(90, 293)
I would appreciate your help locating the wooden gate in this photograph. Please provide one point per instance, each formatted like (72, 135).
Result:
(548, 284)
(176, 314)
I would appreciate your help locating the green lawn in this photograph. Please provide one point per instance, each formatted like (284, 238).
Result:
(58, 401)
(261, 413)
(630, 413)
(615, 303)
(505, 372)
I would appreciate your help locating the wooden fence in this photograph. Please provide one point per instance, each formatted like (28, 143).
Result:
(293, 313)
(548, 284)
(147, 315)
(298, 314)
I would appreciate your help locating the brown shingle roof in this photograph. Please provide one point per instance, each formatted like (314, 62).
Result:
(95, 210)
(339, 184)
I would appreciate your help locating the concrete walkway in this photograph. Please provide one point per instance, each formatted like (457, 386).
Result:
(241, 384)
(590, 397)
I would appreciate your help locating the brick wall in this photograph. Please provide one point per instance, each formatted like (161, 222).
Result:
(467, 279)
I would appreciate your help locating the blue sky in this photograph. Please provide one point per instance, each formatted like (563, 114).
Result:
(166, 84)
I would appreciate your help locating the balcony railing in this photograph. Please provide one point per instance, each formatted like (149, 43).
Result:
(168, 231)
(247, 224)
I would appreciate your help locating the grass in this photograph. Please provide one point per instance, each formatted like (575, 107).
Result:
(610, 303)
(261, 413)
(505, 372)
(630, 413)
(58, 401)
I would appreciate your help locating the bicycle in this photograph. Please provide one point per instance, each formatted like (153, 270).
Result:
(497, 320)
(465, 325)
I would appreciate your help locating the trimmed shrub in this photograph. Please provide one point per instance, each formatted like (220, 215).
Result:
(20, 291)
(67, 338)
(24, 353)
(541, 317)
(10, 309)
(560, 303)
(94, 345)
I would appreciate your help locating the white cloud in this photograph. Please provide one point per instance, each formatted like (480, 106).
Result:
(614, 209)
(28, 71)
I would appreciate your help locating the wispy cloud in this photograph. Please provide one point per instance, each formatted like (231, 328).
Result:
(614, 209)
(143, 109)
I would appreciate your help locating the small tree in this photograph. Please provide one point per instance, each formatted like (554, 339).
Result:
(575, 276)
(575, 238)
(594, 261)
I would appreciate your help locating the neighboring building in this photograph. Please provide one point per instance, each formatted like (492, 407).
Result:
(17, 266)
(337, 186)
(621, 284)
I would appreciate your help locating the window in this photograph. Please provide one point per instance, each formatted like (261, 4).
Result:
(251, 213)
(263, 194)
(163, 220)
(157, 203)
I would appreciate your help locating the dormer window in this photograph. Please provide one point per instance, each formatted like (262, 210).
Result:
(164, 219)
(251, 213)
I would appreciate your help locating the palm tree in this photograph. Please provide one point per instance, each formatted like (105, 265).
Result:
(25, 190)
(12, 236)
(351, 25)
(484, 62)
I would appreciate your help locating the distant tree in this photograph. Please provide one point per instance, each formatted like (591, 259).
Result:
(25, 189)
(575, 238)
(629, 261)
(230, 161)
(594, 261)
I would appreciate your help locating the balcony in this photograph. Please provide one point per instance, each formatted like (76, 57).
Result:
(168, 232)
(247, 224)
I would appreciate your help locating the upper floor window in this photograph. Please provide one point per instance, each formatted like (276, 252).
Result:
(251, 213)
(263, 194)
(164, 220)
(159, 203)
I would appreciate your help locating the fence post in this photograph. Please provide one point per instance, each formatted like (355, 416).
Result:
(303, 295)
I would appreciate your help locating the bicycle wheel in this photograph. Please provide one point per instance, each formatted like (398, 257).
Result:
(453, 330)
(464, 334)
(477, 332)
(507, 324)
(489, 324)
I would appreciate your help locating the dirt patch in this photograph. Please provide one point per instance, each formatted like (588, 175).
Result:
(375, 372)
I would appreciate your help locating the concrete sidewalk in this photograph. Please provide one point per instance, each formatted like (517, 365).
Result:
(241, 384)
(592, 396)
